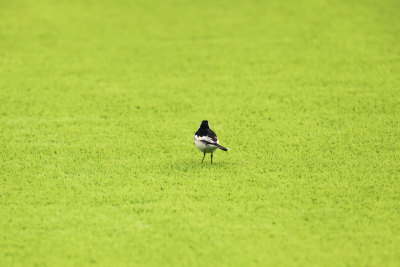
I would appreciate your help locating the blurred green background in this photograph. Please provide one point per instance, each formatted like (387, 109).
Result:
(99, 102)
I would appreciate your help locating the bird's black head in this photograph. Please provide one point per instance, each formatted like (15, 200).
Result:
(205, 124)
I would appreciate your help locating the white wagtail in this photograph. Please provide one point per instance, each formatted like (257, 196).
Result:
(206, 140)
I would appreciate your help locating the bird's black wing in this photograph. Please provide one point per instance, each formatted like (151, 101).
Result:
(212, 135)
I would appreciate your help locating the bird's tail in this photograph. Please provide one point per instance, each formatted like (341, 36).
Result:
(223, 148)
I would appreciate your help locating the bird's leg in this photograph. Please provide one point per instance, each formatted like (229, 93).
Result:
(211, 157)
(203, 157)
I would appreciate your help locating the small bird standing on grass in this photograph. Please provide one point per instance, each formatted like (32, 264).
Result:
(206, 140)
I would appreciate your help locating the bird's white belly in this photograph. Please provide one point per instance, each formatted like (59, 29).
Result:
(203, 147)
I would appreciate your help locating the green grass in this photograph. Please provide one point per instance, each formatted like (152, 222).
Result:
(99, 101)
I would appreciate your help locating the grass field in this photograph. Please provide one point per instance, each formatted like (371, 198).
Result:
(99, 102)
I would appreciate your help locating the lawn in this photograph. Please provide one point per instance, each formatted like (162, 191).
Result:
(99, 102)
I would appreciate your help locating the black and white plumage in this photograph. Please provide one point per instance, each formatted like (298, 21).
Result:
(206, 140)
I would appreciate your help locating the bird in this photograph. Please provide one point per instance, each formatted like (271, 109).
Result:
(206, 140)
